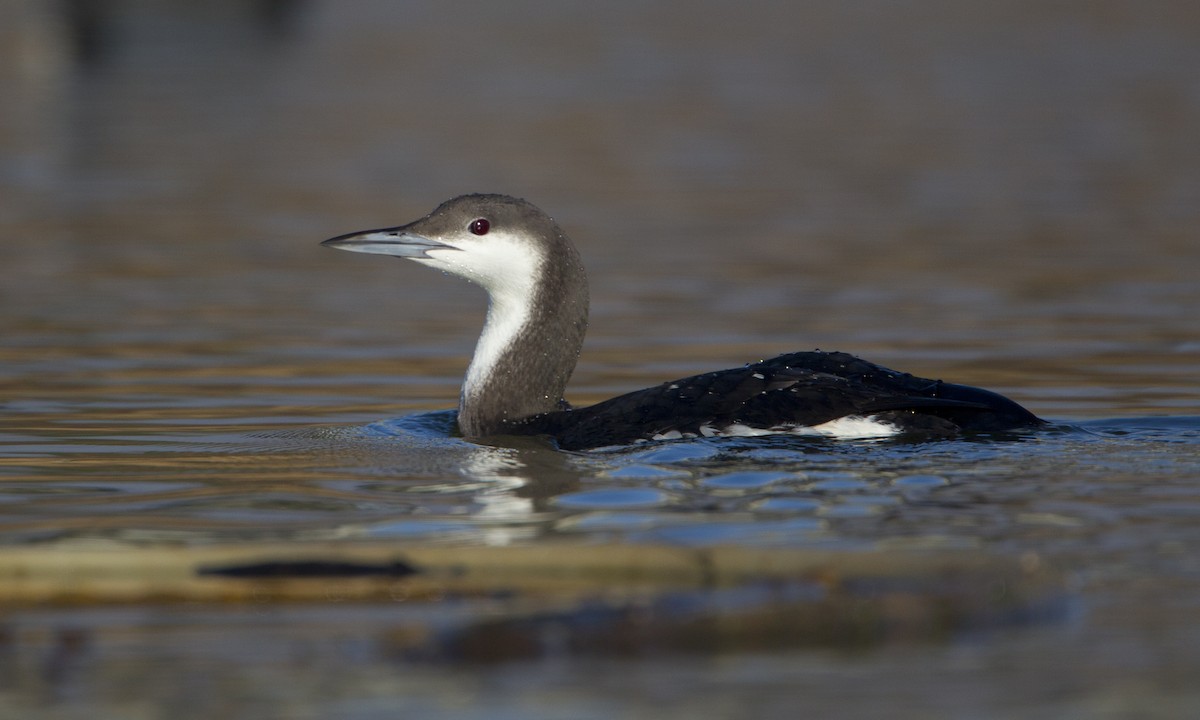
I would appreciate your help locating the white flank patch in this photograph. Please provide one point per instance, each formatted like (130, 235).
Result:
(849, 427)
(739, 430)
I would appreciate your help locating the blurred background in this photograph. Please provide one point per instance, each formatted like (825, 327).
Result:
(1017, 179)
(1000, 193)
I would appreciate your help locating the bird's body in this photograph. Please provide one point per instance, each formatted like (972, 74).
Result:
(537, 317)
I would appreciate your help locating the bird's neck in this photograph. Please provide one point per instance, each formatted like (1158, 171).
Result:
(528, 349)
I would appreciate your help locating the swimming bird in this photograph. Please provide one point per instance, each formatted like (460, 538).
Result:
(536, 319)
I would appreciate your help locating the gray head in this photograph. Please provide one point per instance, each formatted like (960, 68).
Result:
(495, 241)
(537, 289)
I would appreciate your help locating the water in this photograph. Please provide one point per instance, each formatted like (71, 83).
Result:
(999, 195)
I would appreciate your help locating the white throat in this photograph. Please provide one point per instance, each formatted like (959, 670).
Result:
(506, 316)
(508, 268)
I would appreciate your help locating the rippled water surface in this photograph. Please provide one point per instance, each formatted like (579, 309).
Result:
(224, 450)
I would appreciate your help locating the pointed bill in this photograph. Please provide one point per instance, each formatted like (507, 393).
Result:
(397, 242)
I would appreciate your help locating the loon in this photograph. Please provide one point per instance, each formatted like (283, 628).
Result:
(536, 318)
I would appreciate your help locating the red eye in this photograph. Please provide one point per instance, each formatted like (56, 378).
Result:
(479, 227)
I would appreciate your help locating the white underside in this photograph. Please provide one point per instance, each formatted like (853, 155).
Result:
(849, 427)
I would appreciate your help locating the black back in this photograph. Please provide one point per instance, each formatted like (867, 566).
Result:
(794, 390)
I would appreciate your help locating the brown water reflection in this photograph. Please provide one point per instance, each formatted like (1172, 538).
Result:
(1005, 194)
